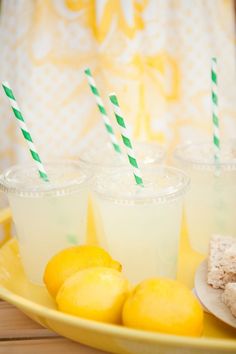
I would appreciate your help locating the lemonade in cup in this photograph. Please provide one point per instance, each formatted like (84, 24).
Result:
(48, 216)
(102, 156)
(140, 226)
(211, 201)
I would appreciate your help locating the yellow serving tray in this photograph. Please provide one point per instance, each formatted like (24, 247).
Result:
(34, 301)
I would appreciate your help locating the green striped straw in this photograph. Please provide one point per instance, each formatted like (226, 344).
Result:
(215, 116)
(102, 110)
(126, 139)
(25, 131)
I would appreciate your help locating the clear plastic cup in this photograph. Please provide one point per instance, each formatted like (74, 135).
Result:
(48, 216)
(104, 156)
(101, 157)
(140, 226)
(210, 203)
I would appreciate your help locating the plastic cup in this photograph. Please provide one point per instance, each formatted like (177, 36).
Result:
(48, 216)
(101, 157)
(140, 226)
(210, 203)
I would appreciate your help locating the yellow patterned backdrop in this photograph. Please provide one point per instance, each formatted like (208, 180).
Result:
(155, 54)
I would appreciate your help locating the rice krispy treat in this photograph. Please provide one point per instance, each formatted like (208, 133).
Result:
(229, 297)
(221, 261)
(229, 259)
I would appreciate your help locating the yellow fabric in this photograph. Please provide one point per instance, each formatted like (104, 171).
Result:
(154, 54)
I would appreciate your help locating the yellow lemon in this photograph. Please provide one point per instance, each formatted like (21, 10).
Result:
(95, 293)
(71, 260)
(163, 305)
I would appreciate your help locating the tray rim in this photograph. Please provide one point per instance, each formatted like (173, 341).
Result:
(32, 307)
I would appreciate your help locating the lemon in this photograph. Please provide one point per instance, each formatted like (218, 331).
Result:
(95, 293)
(71, 260)
(163, 305)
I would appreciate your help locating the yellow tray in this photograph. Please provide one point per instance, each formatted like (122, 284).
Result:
(35, 302)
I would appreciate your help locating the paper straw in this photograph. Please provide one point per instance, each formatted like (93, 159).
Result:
(102, 110)
(25, 131)
(215, 117)
(126, 139)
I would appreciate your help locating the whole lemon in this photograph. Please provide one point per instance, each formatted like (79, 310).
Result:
(95, 293)
(71, 260)
(163, 305)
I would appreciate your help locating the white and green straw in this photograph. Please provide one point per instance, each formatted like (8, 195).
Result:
(126, 139)
(215, 116)
(25, 131)
(102, 110)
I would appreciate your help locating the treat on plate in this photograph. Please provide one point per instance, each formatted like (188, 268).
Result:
(229, 259)
(221, 261)
(229, 297)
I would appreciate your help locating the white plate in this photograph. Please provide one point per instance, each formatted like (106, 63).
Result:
(211, 298)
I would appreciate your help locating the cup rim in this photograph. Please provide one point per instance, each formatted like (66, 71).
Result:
(198, 163)
(85, 161)
(162, 196)
(9, 186)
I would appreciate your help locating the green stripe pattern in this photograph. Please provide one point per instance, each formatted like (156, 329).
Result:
(102, 111)
(126, 139)
(24, 130)
(215, 116)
